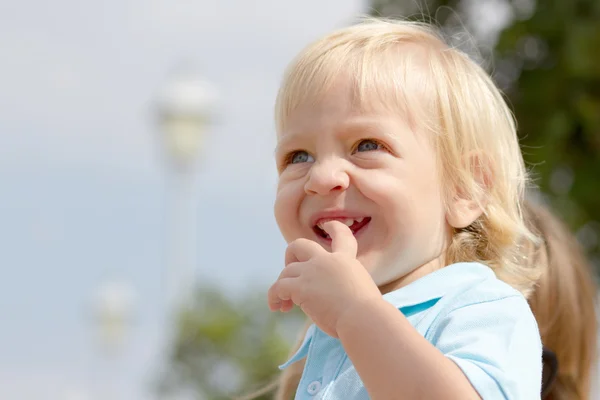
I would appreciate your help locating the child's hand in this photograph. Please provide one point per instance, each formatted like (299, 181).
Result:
(323, 284)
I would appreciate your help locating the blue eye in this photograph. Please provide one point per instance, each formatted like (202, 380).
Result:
(368, 145)
(300, 157)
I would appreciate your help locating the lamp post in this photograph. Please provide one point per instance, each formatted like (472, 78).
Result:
(113, 309)
(185, 109)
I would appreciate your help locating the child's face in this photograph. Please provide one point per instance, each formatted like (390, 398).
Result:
(370, 169)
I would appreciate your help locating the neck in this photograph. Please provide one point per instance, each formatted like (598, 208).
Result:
(419, 272)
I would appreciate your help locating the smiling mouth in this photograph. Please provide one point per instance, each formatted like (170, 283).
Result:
(355, 225)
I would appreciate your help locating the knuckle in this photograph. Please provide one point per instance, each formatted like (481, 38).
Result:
(323, 259)
(301, 242)
(303, 291)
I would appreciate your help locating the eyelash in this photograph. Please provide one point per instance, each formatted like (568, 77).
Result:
(379, 143)
(288, 158)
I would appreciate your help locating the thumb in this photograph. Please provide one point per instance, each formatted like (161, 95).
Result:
(342, 238)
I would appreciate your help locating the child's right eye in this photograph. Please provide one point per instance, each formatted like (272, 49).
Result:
(300, 156)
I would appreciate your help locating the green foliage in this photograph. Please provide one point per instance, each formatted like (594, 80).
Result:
(225, 347)
(547, 61)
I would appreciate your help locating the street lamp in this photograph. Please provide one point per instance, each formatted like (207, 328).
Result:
(113, 305)
(185, 108)
(113, 310)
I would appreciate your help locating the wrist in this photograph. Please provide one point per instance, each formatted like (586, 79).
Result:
(355, 314)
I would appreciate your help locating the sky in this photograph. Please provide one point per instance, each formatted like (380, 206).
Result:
(85, 187)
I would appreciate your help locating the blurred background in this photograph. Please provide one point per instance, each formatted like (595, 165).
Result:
(137, 176)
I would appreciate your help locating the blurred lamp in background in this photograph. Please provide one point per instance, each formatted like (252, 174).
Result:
(186, 108)
(113, 314)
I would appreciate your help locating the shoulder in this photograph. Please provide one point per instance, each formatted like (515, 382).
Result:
(488, 329)
(485, 294)
(486, 304)
(488, 287)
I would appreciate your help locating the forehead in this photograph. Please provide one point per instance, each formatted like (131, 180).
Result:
(341, 111)
(393, 80)
(336, 118)
(330, 108)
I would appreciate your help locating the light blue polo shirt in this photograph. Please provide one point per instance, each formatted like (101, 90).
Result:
(482, 324)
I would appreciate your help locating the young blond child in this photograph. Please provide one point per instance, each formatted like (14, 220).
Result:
(564, 305)
(400, 194)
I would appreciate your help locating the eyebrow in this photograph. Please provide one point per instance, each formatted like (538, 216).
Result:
(364, 125)
(353, 126)
(361, 125)
(284, 141)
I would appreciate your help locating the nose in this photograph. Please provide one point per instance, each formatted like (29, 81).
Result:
(327, 176)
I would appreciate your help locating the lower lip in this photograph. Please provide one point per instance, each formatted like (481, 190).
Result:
(357, 234)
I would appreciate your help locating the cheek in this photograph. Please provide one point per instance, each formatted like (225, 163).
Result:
(406, 204)
(287, 203)
(388, 193)
(428, 216)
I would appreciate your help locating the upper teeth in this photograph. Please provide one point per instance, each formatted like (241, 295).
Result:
(347, 221)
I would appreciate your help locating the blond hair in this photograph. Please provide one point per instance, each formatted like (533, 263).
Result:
(564, 304)
(407, 68)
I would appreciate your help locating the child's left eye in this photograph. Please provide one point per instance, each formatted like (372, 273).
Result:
(368, 145)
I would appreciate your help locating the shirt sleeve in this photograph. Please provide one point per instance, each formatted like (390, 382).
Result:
(496, 344)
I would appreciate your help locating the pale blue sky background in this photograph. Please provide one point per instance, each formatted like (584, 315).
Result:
(82, 180)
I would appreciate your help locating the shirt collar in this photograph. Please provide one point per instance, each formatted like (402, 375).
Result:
(438, 283)
(430, 287)
(303, 350)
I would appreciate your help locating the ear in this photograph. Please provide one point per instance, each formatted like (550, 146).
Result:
(465, 207)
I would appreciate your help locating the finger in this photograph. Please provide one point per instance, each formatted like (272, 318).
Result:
(301, 250)
(292, 270)
(286, 305)
(283, 306)
(342, 238)
(281, 292)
